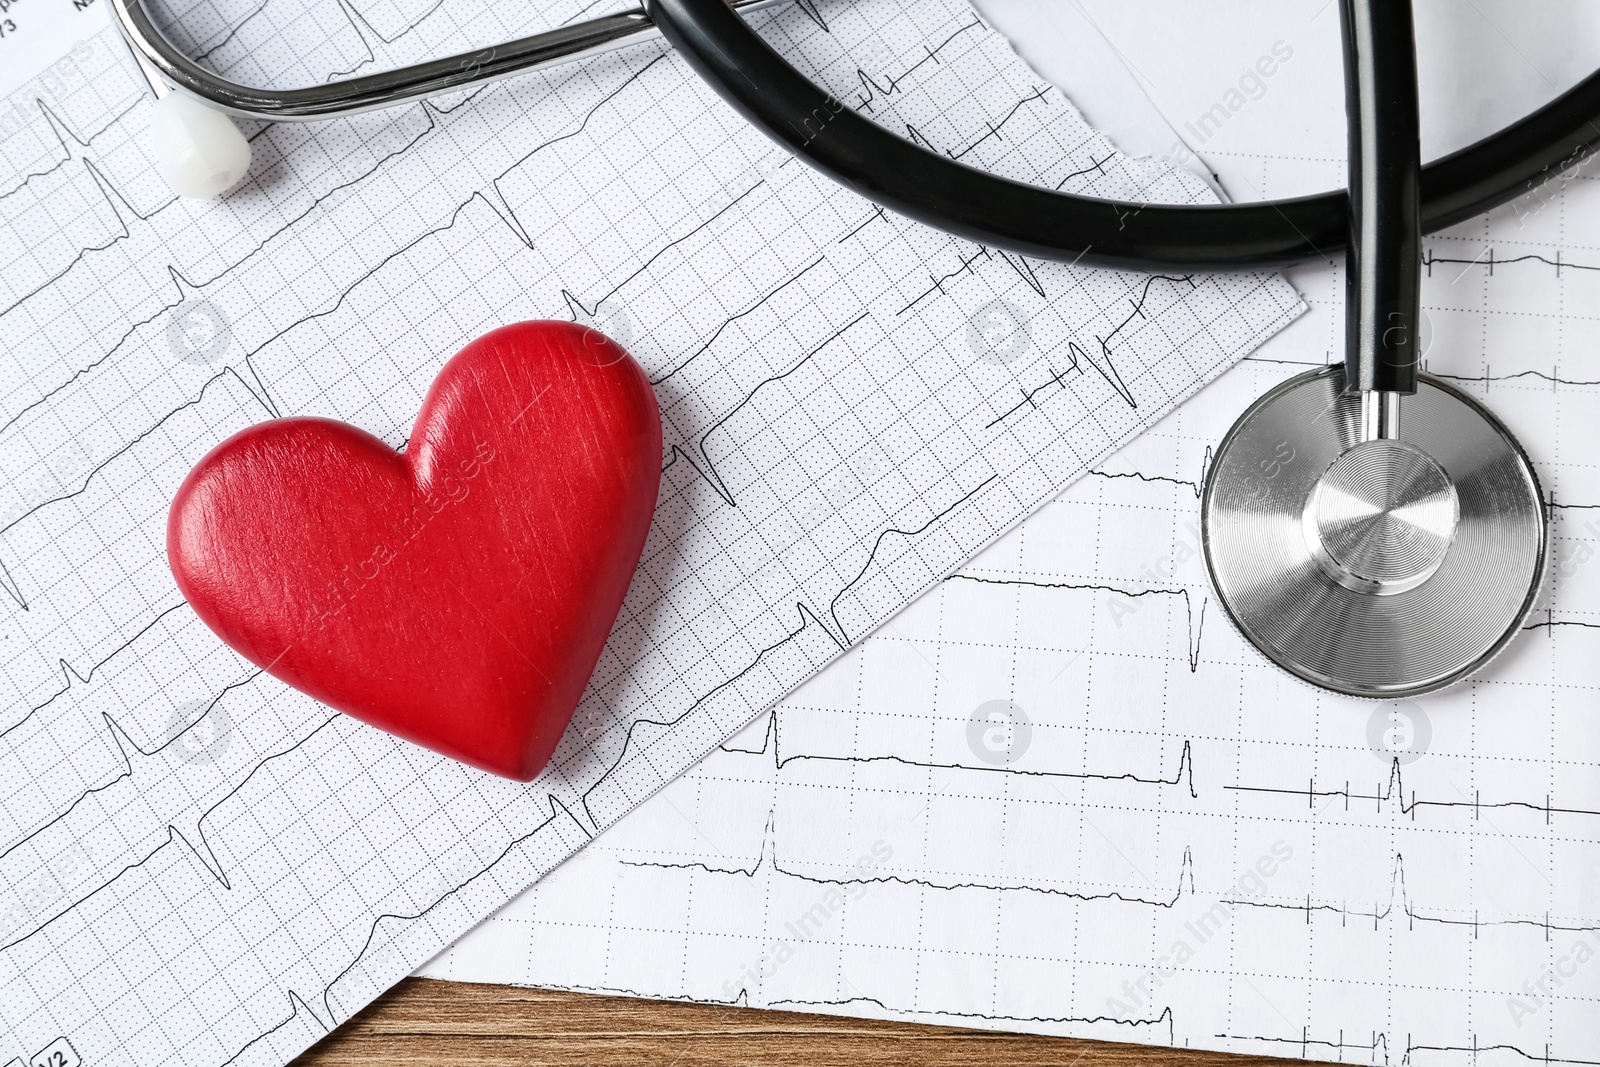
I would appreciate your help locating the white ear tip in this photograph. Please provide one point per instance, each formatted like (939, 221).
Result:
(198, 149)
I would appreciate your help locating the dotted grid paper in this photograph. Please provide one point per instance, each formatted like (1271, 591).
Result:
(201, 866)
(1152, 834)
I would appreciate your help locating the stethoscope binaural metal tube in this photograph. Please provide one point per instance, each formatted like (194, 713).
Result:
(158, 56)
(906, 178)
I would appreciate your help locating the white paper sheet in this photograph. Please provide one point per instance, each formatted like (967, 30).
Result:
(199, 865)
(1058, 793)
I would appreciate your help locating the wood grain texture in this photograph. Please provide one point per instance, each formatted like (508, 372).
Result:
(422, 1021)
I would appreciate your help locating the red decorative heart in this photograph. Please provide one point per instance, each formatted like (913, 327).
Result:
(459, 593)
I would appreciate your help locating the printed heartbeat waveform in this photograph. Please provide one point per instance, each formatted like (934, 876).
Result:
(72, 676)
(197, 844)
(1476, 1050)
(1196, 487)
(1551, 622)
(871, 89)
(1379, 1044)
(227, 373)
(65, 137)
(1183, 775)
(1553, 377)
(807, 618)
(709, 473)
(1109, 370)
(731, 319)
(120, 210)
(1041, 93)
(833, 606)
(981, 254)
(1398, 896)
(840, 639)
(254, 385)
(184, 288)
(195, 839)
(1162, 1020)
(1394, 793)
(1376, 1045)
(768, 860)
(128, 219)
(368, 34)
(297, 1002)
(1196, 620)
(1487, 259)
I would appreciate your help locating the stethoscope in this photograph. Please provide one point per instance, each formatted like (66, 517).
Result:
(1370, 529)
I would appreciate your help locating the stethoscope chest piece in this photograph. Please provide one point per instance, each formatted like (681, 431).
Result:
(1373, 567)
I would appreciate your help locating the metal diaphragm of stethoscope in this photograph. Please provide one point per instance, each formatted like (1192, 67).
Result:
(1370, 529)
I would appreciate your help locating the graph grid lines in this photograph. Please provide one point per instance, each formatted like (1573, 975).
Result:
(200, 865)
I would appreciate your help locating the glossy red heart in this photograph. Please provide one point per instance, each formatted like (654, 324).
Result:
(459, 593)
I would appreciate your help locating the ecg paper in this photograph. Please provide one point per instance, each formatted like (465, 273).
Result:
(198, 864)
(1059, 793)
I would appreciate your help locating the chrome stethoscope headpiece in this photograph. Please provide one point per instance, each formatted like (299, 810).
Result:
(1373, 566)
(1371, 531)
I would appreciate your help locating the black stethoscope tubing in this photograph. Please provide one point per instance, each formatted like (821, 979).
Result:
(1034, 221)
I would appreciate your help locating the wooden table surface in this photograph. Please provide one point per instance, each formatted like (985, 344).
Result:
(459, 1024)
